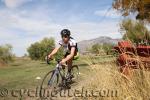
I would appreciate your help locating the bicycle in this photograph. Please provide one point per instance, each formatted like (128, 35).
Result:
(57, 76)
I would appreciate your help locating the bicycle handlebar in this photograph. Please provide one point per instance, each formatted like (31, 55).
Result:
(48, 60)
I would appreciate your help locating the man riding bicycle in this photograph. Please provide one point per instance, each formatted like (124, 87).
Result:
(70, 48)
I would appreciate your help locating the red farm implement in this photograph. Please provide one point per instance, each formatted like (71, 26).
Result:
(132, 57)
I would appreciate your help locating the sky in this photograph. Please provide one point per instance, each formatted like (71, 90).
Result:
(23, 22)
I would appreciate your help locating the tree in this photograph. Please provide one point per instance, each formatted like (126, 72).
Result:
(39, 50)
(141, 7)
(135, 31)
(6, 54)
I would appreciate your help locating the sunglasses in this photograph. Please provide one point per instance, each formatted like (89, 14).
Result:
(65, 36)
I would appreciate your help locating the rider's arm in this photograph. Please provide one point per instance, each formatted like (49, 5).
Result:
(54, 51)
(70, 55)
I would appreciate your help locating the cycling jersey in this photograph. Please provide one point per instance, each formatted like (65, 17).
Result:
(67, 47)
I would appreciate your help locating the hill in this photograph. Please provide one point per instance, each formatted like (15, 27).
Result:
(83, 45)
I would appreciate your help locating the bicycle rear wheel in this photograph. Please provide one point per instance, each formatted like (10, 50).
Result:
(75, 72)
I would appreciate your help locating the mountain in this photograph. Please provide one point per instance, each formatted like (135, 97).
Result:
(83, 45)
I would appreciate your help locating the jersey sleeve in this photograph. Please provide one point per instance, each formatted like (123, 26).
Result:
(73, 43)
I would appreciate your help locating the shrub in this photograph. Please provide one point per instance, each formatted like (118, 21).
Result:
(6, 53)
(101, 49)
(39, 50)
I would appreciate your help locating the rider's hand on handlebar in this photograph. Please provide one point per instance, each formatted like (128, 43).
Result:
(63, 61)
(48, 57)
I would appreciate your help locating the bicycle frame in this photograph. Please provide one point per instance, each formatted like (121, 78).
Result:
(57, 71)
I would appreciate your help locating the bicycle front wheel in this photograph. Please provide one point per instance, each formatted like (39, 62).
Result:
(49, 82)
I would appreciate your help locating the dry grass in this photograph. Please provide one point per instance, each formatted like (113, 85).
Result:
(106, 76)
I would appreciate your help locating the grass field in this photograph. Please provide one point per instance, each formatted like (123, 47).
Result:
(96, 73)
(22, 73)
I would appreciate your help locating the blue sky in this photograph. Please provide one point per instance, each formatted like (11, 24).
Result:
(23, 22)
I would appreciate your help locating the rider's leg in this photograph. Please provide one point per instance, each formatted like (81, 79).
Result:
(69, 64)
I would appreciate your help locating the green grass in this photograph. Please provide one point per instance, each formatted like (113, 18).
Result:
(22, 73)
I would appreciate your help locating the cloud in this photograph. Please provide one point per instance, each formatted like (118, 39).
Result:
(15, 3)
(108, 13)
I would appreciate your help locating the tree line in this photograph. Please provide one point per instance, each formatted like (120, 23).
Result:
(36, 51)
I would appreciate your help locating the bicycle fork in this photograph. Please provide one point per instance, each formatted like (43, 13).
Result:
(55, 74)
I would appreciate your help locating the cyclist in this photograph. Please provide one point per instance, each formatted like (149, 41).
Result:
(70, 48)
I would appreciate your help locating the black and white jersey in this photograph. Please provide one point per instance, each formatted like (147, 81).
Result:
(67, 47)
